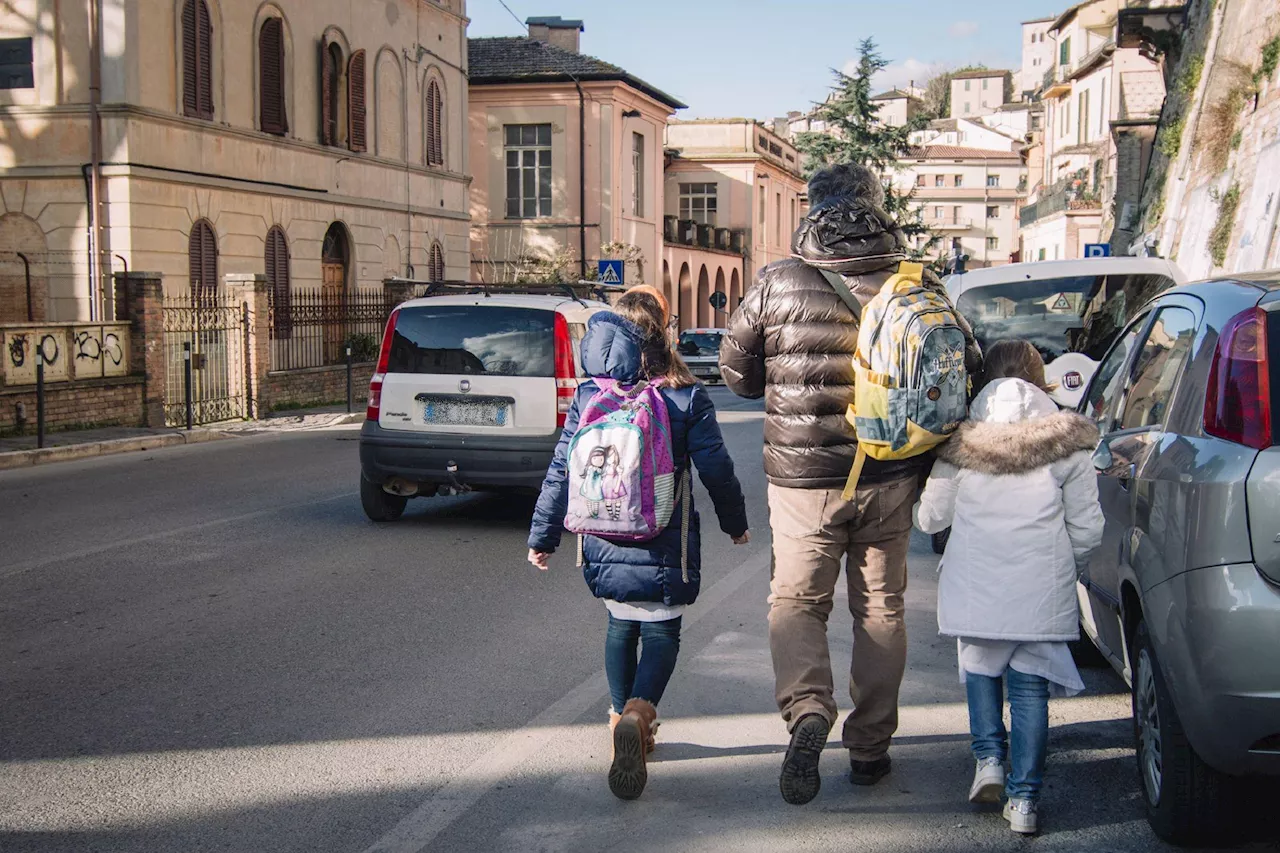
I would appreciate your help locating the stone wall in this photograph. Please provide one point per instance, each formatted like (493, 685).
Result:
(317, 385)
(97, 402)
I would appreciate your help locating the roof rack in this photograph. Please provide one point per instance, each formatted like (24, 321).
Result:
(576, 291)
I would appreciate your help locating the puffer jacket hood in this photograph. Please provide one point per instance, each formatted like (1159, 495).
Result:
(849, 236)
(1017, 487)
(1014, 427)
(611, 348)
(793, 338)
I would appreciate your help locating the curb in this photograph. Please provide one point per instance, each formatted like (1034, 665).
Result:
(67, 453)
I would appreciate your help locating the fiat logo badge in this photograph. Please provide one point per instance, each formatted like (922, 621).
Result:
(465, 386)
(1072, 380)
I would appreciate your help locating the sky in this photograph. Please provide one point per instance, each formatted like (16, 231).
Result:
(762, 58)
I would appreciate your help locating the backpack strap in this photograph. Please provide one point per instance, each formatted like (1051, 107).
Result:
(842, 290)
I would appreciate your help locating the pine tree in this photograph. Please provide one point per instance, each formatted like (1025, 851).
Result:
(853, 133)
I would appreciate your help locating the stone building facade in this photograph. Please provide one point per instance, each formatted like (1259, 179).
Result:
(318, 142)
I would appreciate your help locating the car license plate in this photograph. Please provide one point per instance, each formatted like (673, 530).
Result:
(445, 411)
(704, 371)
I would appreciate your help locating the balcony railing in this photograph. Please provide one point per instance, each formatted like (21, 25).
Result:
(687, 232)
(950, 223)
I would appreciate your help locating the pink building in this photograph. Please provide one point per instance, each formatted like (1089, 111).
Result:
(734, 196)
(566, 153)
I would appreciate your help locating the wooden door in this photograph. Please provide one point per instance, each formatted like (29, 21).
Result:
(333, 289)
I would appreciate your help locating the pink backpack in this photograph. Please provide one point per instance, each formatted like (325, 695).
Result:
(621, 470)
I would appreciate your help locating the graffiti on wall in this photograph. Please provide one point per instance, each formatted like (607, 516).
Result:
(67, 351)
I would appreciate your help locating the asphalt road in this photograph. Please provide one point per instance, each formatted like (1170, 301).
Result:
(210, 648)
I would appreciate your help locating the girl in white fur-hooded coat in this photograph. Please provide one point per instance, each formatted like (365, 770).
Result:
(1017, 486)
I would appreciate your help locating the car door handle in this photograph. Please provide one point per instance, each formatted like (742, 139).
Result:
(1128, 475)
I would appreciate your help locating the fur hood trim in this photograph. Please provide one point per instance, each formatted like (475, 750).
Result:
(1014, 448)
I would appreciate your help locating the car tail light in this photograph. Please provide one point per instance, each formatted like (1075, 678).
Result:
(1237, 406)
(566, 372)
(384, 357)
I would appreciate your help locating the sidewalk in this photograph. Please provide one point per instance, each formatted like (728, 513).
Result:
(21, 451)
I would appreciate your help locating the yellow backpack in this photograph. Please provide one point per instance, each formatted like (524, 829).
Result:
(911, 390)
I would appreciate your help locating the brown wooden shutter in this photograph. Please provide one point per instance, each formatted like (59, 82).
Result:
(271, 101)
(356, 102)
(277, 269)
(435, 127)
(326, 94)
(204, 59)
(190, 66)
(435, 267)
(202, 263)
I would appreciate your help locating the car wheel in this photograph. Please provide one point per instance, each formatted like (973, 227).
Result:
(939, 540)
(1188, 802)
(379, 505)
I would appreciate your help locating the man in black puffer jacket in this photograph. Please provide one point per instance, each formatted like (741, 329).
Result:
(792, 342)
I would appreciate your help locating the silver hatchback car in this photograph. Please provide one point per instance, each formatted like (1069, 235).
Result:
(1183, 596)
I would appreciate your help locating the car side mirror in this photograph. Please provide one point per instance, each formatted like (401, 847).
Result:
(1102, 458)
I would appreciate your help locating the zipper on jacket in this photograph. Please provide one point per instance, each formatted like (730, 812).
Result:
(685, 512)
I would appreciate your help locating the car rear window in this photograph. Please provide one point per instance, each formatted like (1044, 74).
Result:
(700, 343)
(1058, 315)
(474, 339)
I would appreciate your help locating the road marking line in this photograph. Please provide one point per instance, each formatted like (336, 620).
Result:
(453, 799)
(22, 568)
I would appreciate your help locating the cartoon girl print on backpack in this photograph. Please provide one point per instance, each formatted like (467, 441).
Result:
(615, 483)
(593, 478)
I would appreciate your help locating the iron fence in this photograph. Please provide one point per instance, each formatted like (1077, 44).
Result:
(206, 340)
(314, 327)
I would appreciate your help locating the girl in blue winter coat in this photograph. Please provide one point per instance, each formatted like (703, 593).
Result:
(645, 585)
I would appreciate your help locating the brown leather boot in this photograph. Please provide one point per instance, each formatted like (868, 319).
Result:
(631, 738)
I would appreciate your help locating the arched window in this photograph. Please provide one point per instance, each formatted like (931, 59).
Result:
(435, 264)
(435, 125)
(342, 98)
(276, 264)
(197, 60)
(202, 262)
(271, 99)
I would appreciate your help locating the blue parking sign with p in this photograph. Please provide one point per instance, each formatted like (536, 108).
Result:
(609, 272)
(1097, 250)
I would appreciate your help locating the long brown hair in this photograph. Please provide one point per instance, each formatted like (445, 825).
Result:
(657, 359)
(1014, 359)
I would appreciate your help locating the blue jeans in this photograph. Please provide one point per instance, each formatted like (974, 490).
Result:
(1028, 743)
(633, 675)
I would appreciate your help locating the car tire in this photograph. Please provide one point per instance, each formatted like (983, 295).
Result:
(379, 505)
(939, 540)
(1188, 803)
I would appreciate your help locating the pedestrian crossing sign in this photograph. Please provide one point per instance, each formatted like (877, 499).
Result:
(1062, 303)
(610, 272)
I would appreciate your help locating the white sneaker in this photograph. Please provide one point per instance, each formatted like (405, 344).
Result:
(988, 781)
(1021, 815)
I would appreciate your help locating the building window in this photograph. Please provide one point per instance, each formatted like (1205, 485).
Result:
(967, 83)
(993, 211)
(435, 262)
(993, 180)
(276, 265)
(967, 108)
(959, 180)
(698, 202)
(271, 100)
(637, 174)
(435, 124)
(342, 98)
(777, 214)
(993, 242)
(764, 142)
(939, 180)
(528, 153)
(984, 85)
(202, 262)
(919, 180)
(791, 223)
(1064, 52)
(937, 212)
(1040, 256)
(1082, 123)
(197, 60)
(763, 213)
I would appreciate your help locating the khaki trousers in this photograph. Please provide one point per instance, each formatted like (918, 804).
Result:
(813, 530)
